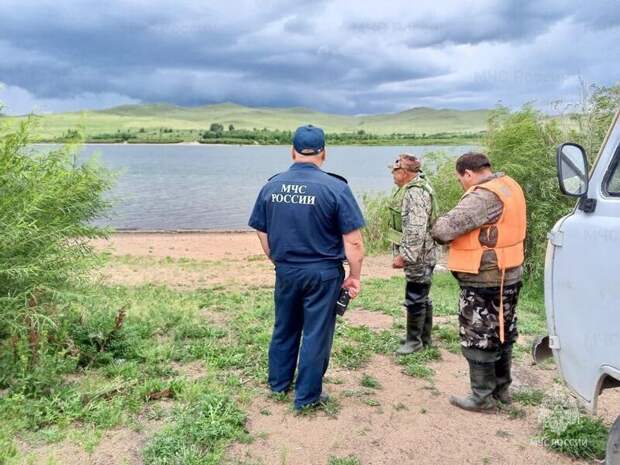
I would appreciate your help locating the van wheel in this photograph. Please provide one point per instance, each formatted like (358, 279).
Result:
(540, 349)
(612, 456)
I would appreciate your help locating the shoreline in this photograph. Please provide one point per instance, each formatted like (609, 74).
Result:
(475, 143)
(198, 245)
(226, 257)
(181, 231)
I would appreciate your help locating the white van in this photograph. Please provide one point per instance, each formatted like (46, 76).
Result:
(582, 278)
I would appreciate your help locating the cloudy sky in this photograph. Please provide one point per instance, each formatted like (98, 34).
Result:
(340, 56)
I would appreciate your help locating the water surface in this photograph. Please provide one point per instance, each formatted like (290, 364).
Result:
(214, 186)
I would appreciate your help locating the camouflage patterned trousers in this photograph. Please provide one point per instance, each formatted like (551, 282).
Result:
(479, 316)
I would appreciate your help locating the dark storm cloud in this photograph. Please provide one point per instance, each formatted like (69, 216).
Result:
(340, 56)
(505, 21)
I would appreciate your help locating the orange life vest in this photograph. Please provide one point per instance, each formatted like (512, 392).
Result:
(466, 250)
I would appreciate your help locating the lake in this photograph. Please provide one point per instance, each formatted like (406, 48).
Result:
(172, 187)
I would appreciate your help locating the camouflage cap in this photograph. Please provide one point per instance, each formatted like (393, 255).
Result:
(407, 162)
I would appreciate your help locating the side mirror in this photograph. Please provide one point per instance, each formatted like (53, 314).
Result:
(572, 165)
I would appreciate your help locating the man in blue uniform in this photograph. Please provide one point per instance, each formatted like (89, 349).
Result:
(308, 222)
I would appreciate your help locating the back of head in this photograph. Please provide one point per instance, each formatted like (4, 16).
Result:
(309, 141)
(473, 161)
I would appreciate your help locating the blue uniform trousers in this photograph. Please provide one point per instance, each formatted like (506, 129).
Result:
(304, 304)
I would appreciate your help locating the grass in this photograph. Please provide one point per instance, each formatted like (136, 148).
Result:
(513, 411)
(331, 407)
(531, 397)
(111, 382)
(574, 434)
(162, 327)
(355, 345)
(348, 460)
(387, 295)
(372, 402)
(449, 337)
(416, 364)
(202, 427)
(182, 263)
(370, 382)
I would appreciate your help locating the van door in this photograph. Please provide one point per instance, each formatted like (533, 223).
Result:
(582, 281)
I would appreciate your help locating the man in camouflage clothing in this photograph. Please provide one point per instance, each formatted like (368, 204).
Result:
(478, 214)
(411, 214)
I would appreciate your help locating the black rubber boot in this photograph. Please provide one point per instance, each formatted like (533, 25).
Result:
(483, 384)
(428, 324)
(503, 377)
(416, 297)
(415, 324)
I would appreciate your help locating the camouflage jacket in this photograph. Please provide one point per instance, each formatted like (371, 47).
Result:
(478, 208)
(416, 244)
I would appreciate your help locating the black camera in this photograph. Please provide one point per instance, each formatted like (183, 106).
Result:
(343, 301)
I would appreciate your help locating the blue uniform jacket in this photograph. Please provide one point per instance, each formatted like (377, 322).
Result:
(305, 211)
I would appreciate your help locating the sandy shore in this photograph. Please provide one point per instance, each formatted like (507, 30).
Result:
(193, 245)
(200, 259)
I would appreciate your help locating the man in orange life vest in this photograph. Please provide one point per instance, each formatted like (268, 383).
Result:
(486, 231)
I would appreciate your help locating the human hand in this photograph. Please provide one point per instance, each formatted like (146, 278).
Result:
(398, 262)
(353, 285)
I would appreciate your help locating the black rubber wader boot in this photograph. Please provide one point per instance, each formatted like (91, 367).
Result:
(416, 303)
(502, 375)
(428, 324)
(482, 379)
(416, 315)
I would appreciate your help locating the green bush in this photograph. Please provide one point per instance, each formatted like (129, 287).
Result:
(47, 202)
(439, 167)
(377, 218)
(523, 144)
(448, 191)
(594, 117)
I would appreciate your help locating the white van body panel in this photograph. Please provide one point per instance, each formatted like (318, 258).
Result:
(582, 286)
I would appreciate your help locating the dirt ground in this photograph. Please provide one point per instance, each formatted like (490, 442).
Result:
(405, 421)
(117, 447)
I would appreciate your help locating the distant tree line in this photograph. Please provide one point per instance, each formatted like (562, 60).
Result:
(218, 133)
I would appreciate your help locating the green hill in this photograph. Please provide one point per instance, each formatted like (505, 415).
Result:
(149, 118)
(427, 120)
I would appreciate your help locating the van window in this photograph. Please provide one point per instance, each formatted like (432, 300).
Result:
(613, 179)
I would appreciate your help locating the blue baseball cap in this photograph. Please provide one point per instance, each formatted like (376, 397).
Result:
(309, 140)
